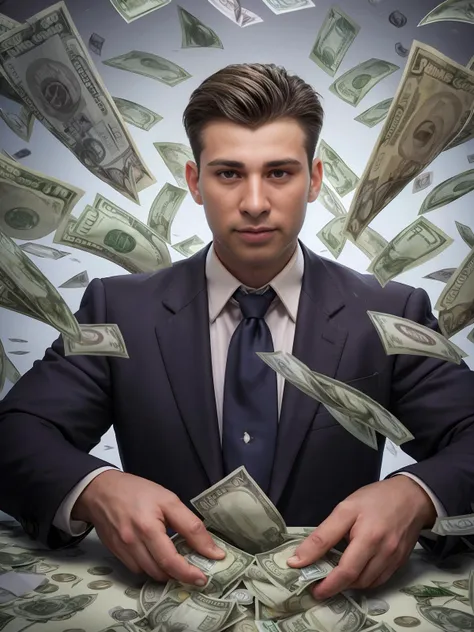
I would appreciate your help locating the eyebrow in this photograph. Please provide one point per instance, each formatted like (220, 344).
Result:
(222, 162)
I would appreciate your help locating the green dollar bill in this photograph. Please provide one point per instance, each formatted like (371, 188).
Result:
(417, 243)
(333, 237)
(466, 233)
(33, 204)
(354, 84)
(97, 339)
(47, 49)
(330, 201)
(280, 7)
(341, 177)
(370, 242)
(20, 124)
(195, 34)
(149, 65)
(136, 114)
(448, 191)
(334, 40)
(450, 10)
(189, 246)
(7, 24)
(456, 301)
(175, 156)
(441, 275)
(164, 208)
(131, 10)
(375, 114)
(432, 103)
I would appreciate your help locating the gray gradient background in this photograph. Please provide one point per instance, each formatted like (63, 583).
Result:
(286, 40)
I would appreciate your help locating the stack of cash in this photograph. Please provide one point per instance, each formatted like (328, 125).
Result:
(252, 589)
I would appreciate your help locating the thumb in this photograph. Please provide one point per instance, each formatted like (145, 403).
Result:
(324, 537)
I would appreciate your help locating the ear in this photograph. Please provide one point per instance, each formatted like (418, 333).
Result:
(316, 179)
(192, 179)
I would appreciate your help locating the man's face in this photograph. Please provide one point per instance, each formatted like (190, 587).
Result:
(255, 210)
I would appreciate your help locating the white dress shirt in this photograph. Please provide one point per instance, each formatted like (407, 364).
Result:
(224, 317)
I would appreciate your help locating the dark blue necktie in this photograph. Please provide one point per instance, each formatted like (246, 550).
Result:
(250, 410)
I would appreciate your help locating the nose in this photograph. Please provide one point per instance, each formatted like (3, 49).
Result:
(254, 200)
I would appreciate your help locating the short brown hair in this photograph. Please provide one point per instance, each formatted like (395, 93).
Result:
(252, 95)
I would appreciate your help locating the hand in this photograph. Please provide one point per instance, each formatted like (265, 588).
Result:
(383, 521)
(131, 514)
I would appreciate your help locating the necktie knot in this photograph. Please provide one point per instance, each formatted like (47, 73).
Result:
(254, 305)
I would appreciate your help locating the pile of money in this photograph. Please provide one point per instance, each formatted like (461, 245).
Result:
(252, 589)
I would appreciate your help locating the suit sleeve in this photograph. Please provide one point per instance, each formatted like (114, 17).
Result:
(434, 399)
(49, 421)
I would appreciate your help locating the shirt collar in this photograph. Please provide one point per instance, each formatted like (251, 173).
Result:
(221, 284)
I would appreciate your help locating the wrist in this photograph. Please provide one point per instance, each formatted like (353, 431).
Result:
(87, 500)
(425, 508)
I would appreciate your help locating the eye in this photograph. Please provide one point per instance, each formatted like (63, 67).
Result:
(219, 173)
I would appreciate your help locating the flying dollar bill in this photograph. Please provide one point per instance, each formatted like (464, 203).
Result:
(448, 191)
(164, 208)
(115, 230)
(431, 105)
(333, 236)
(287, 6)
(370, 242)
(33, 204)
(175, 156)
(330, 201)
(441, 275)
(136, 114)
(341, 177)
(467, 234)
(354, 84)
(149, 65)
(401, 335)
(97, 339)
(196, 34)
(20, 124)
(422, 181)
(373, 115)
(233, 10)
(189, 246)
(456, 301)
(24, 279)
(418, 242)
(334, 40)
(78, 280)
(450, 10)
(131, 10)
(239, 510)
(47, 55)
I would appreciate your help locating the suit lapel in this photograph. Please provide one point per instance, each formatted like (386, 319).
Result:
(318, 343)
(182, 330)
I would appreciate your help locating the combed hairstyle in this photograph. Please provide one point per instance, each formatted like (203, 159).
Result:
(252, 95)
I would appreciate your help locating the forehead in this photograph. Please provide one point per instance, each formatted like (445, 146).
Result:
(226, 139)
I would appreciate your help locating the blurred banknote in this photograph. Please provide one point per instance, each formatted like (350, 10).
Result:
(233, 10)
(97, 339)
(25, 280)
(196, 34)
(431, 105)
(7, 24)
(466, 233)
(401, 335)
(354, 84)
(164, 208)
(114, 230)
(456, 301)
(21, 124)
(373, 115)
(422, 181)
(454, 525)
(448, 191)
(353, 405)
(133, 9)
(47, 56)
(96, 42)
(415, 244)
(45, 252)
(330, 201)
(341, 177)
(441, 275)
(238, 509)
(78, 280)
(333, 40)
(175, 156)
(189, 246)
(136, 114)
(451, 10)
(333, 236)
(370, 242)
(33, 204)
(149, 65)
(286, 6)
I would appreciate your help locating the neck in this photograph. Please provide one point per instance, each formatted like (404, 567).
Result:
(252, 275)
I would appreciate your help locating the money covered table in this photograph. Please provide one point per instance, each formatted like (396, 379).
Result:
(86, 589)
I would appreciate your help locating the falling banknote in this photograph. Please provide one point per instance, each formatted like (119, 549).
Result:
(45, 56)
(33, 204)
(448, 191)
(97, 339)
(333, 40)
(420, 241)
(354, 84)
(430, 107)
(451, 10)
(401, 335)
(132, 10)
(456, 301)
(348, 401)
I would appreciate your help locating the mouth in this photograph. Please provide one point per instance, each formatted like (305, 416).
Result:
(256, 235)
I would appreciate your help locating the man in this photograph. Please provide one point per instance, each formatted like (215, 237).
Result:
(194, 401)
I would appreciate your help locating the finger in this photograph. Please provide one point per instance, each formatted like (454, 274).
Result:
(377, 565)
(383, 577)
(324, 537)
(165, 555)
(142, 556)
(192, 528)
(351, 565)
